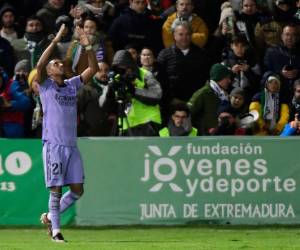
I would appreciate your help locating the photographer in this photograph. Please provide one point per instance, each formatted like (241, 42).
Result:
(137, 94)
(17, 102)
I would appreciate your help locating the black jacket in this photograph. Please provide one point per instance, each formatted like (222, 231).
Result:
(181, 75)
(134, 28)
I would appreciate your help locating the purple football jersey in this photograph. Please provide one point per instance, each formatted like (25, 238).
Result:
(60, 111)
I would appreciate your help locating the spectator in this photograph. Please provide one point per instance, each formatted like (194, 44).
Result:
(134, 26)
(8, 23)
(33, 43)
(292, 128)
(182, 67)
(133, 50)
(273, 112)
(77, 59)
(19, 103)
(246, 71)
(179, 123)
(143, 95)
(267, 34)
(205, 101)
(184, 13)
(51, 10)
(284, 60)
(222, 36)
(247, 19)
(103, 10)
(230, 115)
(148, 61)
(284, 12)
(294, 106)
(96, 104)
(297, 14)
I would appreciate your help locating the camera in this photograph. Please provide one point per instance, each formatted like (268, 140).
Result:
(224, 121)
(121, 82)
(20, 77)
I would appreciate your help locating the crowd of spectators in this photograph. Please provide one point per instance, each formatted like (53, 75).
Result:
(166, 67)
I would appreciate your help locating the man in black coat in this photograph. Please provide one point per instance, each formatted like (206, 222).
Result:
(183, 67)
(135, 26)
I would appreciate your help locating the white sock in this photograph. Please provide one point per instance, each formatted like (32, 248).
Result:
(49, 216)
(55, 232)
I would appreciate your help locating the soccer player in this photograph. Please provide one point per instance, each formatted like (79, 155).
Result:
(62, 162)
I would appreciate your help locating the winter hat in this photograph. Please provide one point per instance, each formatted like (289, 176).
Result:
(226, 11)
(269, 76)
(123, 58)
(31, 76)
(218, 72)
(224, 107)
(5, 8)
(22, 65)
(237, 91)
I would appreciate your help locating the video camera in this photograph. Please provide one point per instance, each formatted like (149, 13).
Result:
(121, 82)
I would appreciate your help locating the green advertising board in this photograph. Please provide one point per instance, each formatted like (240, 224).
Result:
(23, 195)
(228, 180)
(221, 180)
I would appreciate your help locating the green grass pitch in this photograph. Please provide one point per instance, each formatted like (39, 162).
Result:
(173, 238)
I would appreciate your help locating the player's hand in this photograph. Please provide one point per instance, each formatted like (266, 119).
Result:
(83, 38)
(59, 34)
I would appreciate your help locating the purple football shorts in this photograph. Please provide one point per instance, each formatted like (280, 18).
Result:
(62, 165)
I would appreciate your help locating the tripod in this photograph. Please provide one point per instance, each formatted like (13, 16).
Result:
(121, 117)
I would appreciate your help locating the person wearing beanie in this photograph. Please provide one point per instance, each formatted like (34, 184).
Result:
(15, 117)
(272, 108)
(33, 43)
(205, 101)
(49, 13)
(9, 29)
(142, 94)
(22, 66)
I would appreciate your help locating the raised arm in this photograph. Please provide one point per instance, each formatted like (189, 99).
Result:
(92, 68)
(42, 63)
